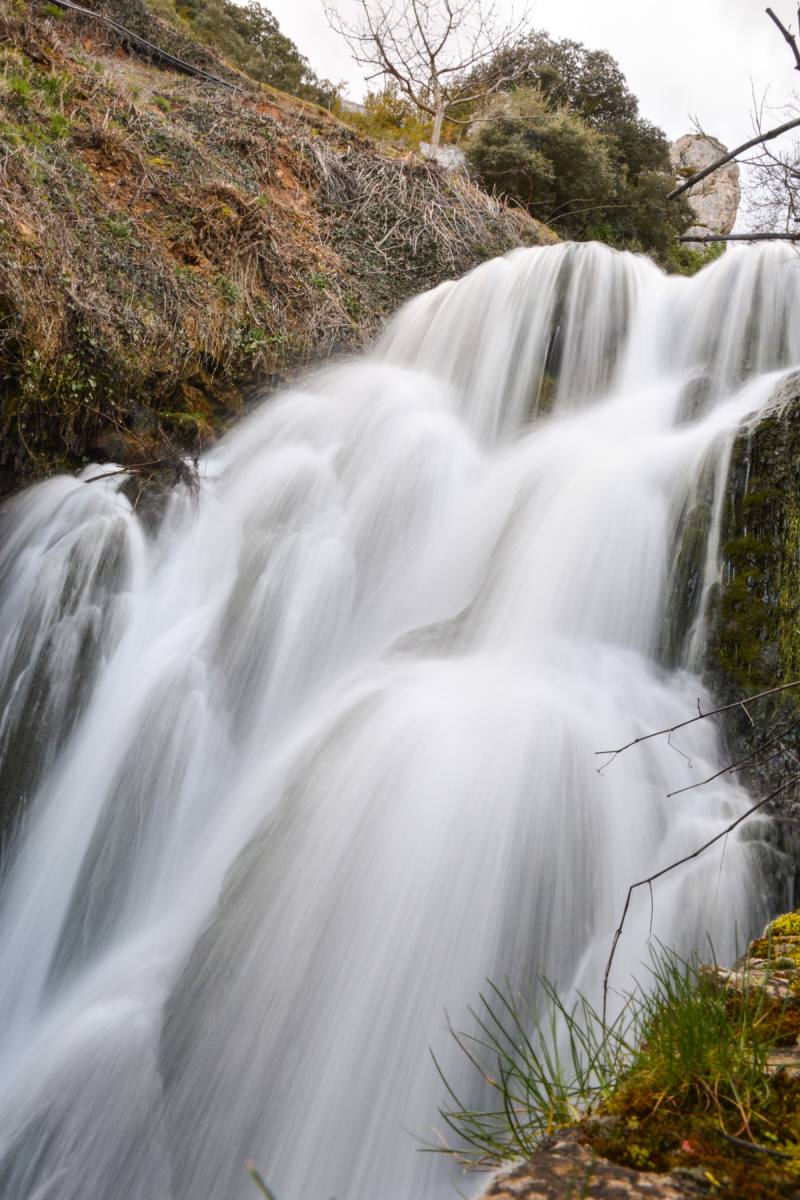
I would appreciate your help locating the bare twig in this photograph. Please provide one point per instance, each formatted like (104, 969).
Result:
(759, 140)
(729, 157)
(788, 37)
(650, 880)
(255, 1175)
(701, 716)
(740, 237)
(425, 48)
(755, 757)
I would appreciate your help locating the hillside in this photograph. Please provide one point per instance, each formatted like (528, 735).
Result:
(168, 242)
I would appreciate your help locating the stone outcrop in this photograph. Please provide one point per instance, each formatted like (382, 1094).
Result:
(715, 200)
(450, 157)
(564, 1166)
(572, 1163)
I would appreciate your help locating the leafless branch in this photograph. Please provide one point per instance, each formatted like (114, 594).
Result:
(706, 238)
(788, 37)
(760, 138)
(701, 716)
(726, 158)
(651, 879)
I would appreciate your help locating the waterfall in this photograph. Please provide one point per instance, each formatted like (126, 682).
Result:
(299, 765)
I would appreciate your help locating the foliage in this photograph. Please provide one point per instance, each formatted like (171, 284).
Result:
(569, 174)
(615, 188)
(683, 259)
(679, 1046)
(552, 162)
(249, 36)
(163, 243)
(591, 84)
(388, 116)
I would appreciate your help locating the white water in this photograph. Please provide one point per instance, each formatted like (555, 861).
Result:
(310, 763)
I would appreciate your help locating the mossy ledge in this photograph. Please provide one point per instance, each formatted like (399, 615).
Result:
(166, 243)
(686, 1135)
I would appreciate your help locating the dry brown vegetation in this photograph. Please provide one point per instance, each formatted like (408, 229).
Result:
(164, 242)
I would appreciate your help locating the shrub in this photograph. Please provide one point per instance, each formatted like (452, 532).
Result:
(552, 162)
(571, 175)
(249, 36)
(387, 116)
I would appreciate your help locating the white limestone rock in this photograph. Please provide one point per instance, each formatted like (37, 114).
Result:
(715, 200)
(449, 157)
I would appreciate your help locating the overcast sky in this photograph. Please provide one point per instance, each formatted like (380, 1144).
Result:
(682, 58)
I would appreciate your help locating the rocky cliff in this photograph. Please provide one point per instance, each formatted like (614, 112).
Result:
(715, 200)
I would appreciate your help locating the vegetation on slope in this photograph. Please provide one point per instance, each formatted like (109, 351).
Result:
(248, 36)
(164, 241)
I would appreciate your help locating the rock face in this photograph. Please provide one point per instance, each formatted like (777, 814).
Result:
(715, 200)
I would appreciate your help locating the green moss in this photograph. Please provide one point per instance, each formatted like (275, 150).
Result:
(754, 634)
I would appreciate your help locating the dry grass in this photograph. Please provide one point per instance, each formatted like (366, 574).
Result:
(163, 243)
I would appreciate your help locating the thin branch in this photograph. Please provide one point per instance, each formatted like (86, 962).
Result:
(701, 716)
(726, 158)
(650, 880)
(705, 238)
(788, 37)
(754, 758)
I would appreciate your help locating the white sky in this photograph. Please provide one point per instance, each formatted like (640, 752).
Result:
(682, 58)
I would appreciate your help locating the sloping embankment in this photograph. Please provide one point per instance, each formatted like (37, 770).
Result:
(164, 242)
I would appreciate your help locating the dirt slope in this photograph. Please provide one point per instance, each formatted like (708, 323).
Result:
(165, 242)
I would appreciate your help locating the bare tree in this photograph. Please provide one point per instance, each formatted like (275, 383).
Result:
(427, 47)
(774, 175)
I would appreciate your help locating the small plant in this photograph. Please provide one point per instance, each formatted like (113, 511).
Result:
(254, 340)
(679, 1045)
(59, 127)
(544, 1069)
(117, 227)
(20, 88)
(227, 289)
(351, 304)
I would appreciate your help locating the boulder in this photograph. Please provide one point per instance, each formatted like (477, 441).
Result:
(449, 157)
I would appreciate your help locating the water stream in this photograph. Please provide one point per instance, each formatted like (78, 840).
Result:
(306, 761)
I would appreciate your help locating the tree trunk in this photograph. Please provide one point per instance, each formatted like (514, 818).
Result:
(436, 135)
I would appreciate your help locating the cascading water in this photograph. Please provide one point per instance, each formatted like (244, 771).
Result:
(304, 765)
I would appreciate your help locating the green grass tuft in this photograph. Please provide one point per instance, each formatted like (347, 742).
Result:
(681, 1044)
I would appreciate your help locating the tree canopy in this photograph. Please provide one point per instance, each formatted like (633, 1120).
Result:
(568, 142)
(250, 37)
